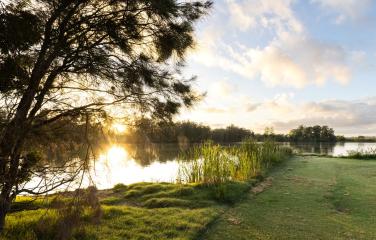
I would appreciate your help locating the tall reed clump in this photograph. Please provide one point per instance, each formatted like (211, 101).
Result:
(211, 163)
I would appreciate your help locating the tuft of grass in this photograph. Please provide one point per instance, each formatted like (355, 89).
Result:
(119, 187)
(230, 192)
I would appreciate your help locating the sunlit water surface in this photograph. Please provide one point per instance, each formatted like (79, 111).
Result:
(117, 166)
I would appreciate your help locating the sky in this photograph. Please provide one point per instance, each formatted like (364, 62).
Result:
(282, 63)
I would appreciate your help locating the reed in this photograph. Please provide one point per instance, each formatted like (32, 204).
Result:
(362, 154)
(211, 163)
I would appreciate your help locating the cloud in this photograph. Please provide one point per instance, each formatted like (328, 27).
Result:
(274, 14)
(290, 60)
(250, 107)
(345, 9)
(304, 60)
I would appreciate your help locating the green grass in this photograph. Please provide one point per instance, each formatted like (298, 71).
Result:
(37, 202)
(310, 198)
(138, 211)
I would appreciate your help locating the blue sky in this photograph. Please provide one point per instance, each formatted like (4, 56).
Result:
(282, 63)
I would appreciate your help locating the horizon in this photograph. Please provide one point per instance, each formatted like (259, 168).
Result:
(285, 63)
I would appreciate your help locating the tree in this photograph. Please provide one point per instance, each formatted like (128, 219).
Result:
(83, 58)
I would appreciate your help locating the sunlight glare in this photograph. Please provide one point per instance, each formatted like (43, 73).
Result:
(119, 128)
(115, 154)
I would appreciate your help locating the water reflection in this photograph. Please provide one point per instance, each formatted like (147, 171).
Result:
(317, 148)
(146, 154)
(134, 163)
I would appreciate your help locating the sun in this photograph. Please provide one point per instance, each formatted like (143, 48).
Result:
(118, 127)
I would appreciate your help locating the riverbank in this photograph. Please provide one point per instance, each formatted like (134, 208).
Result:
(306, 197)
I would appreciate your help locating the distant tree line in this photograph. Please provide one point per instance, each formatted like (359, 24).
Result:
(356, 139)
(147, 130)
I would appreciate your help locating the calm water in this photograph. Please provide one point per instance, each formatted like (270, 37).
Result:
(159, 163)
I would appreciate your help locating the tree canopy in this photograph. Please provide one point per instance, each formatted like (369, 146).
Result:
(312, 134)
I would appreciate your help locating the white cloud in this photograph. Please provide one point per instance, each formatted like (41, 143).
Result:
(290, 60)
(275, 14)
(300, 60)
(345, 9)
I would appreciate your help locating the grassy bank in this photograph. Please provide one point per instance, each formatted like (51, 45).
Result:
(306, 197)
(138, 211)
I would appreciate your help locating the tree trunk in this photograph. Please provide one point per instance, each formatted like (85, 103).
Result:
(4, 209)
(10, 149)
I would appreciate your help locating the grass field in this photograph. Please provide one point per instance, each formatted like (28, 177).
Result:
(310, 198)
